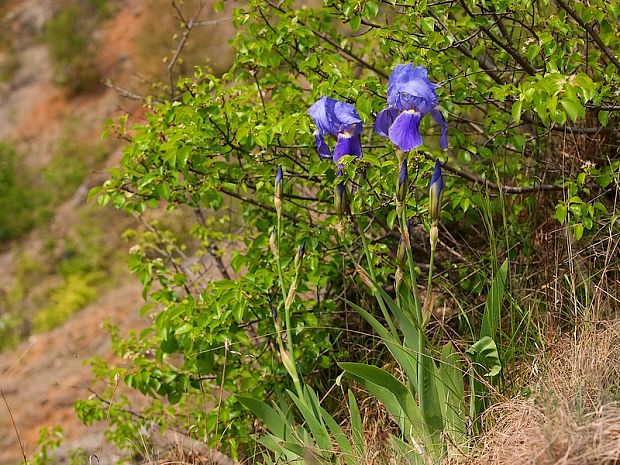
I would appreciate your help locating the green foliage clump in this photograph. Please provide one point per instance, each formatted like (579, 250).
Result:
(532, 150)
(19, 199)
(73, 295)
(70, 38)
(9, 60)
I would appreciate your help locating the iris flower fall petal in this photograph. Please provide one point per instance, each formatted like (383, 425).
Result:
(340, 121)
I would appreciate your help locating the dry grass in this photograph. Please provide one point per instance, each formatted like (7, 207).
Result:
(572, 416)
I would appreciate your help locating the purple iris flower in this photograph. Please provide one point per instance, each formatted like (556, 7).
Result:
(410, 97)
(340, 121)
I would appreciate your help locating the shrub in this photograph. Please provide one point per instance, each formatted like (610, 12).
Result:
(521, 96)
(19, 196)
(70, 38)
(73, 295)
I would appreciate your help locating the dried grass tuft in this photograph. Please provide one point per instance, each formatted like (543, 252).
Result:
(572, 417)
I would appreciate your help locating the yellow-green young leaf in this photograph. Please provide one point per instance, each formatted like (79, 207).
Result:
(218, 6)
(603, 117)
(516, 111)
(560, 213)
(578, 231)
(371, 9)
(355, 23)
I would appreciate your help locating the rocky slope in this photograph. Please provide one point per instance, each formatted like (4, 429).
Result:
(44, 375)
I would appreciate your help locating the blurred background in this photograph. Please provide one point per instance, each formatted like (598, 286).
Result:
(68, 68)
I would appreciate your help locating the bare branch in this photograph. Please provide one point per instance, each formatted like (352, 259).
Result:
(189, 25)
(497, 187)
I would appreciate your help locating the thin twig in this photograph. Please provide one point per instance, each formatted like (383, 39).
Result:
(527, 67)
(19, 439)
(189, 24)
(127, 93)
(497, 187)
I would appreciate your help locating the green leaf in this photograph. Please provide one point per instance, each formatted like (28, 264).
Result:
(452, 395)
(493, 307)
(276, 423)
(516, 111)
(317, 428)
(405, 358)
(184, 328)
(357, 431)
(574, 109)
(560, 213)
(484, 354)
(371, 9)
(578, 231)
(430, 407)
(393, 394)
(341, 438)
(371, 159)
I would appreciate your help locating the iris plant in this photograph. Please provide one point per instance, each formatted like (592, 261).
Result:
(341, 121)
(410, 97)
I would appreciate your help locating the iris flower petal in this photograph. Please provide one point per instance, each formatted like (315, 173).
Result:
(384, 120)
(348, 146)
(322, 147)
(409, 88)
(347, 117)
(333, 117)
(405, 131)
(339, 120)
(322, 112)
(438, 117)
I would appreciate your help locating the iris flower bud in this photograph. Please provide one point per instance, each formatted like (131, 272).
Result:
(433, 236)
(401, 189)
(401, 251)
(300, 255)
(401, 254)
(435, 191)
(274, 312)
(277, 200)
(341, 199)
(273, 237)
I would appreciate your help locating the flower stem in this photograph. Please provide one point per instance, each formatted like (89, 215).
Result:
(287, 359)
(371, 271)
(428, 300)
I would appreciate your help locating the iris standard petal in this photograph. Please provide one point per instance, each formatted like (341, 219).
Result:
(347, 117)
(409, 88)
(405, 131)
(333, 116)
(321, 147)
(348, 146)
(438, 117)
(322, 112)
(384, 120)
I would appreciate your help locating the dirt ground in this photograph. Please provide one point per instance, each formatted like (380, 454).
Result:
(44, 376)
